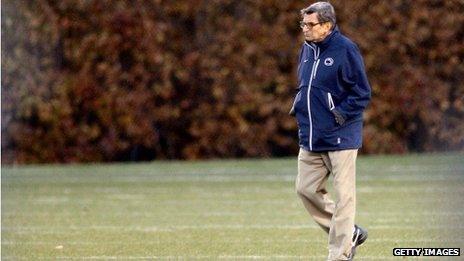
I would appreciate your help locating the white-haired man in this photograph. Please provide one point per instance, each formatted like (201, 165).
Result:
(333, 92)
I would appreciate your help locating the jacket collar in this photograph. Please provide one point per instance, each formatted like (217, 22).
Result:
(326, 42)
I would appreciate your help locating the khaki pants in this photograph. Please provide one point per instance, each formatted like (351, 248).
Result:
(336, 218)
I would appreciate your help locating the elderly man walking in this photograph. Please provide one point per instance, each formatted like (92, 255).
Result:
(333, 92)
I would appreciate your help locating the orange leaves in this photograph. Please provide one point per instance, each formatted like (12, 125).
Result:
(98, 80)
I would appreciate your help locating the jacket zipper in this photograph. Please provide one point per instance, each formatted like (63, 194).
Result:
(313, 74)
(315, 71)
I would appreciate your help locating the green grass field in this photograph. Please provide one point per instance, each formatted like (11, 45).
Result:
(233, 209)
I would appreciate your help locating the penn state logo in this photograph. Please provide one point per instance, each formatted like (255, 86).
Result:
(329, 61)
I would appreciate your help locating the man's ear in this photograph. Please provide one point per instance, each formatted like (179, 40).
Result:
(328, 26)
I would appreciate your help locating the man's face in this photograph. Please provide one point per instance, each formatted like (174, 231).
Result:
(313, 30)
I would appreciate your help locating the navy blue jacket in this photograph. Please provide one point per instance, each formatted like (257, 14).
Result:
(331, 82)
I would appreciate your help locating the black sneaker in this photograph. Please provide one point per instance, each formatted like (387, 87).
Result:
(359, 236)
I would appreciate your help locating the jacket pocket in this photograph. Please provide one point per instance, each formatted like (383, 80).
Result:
(297, 99)
(330, 101)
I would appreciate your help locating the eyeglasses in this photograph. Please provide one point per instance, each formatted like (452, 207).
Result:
(309, 25)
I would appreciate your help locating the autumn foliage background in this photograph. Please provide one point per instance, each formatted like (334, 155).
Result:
(139, 80)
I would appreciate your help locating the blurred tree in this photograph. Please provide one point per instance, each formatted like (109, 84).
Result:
(104, 80)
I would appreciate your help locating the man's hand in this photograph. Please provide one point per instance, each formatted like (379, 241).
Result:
(338, 117)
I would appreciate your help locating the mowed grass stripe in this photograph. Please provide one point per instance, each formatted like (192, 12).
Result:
(204, 210)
